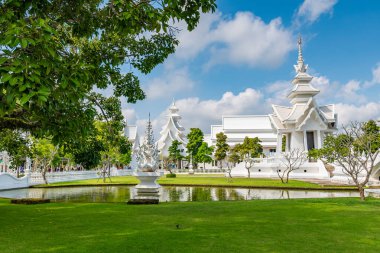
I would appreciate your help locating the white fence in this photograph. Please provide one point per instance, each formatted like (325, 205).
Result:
(10, 181)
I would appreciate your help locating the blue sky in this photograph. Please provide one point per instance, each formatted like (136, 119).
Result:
(240, 59)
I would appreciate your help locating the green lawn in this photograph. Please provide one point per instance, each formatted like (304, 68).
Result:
(310, 225)
(206, 180)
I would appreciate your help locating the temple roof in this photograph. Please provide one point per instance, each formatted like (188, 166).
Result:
(172, 130)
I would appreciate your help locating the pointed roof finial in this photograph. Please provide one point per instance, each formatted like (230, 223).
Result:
(149, 139)
(300, 58)
(300, 67)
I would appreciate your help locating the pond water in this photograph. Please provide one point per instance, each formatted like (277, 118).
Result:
(178, 193)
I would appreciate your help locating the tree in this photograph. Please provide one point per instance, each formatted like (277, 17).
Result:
(205, 154)
(88, 153)
(55, 53)
(234, 154)
(175, 153)
(290, 162)
(17, 145)
(195, 140)
(355, 150)
(251, 147)
(221, 147)
(45, 155)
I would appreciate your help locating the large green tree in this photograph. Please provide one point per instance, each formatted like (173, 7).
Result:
(221, 147)
(355, 150)
(17, 144)
(175, 154)
(195, 140)
(56, 53)
(205, 154)
(251, 146)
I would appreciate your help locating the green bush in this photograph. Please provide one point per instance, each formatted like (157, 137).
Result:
(172, 175)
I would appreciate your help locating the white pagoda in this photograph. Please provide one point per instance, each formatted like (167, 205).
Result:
(305, 124)
(171, 131)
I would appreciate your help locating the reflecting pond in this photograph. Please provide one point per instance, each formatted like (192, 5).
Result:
(178, 193)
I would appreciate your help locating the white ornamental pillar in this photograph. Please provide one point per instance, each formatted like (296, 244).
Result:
(305, 140)
(319, 140)
(279, 143)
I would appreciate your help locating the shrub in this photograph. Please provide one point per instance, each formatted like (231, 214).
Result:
(172, 175)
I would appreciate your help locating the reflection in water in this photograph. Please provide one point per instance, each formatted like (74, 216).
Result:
(177, 193)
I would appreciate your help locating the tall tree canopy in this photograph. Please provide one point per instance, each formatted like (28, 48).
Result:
(195, 138)
(175, 154)
(205, 154)
(251, 146)
(355, 150)
(221, 147)
(55, 53)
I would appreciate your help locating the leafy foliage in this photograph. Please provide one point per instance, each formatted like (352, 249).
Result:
(16, 144)
(205, 153)
(55, 53)
(88, 153)
(251, 147)
(195, 140)
(355, 150)
(175, 152)
(221, 147)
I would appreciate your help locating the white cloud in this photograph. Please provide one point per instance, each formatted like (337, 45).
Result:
(349, 112)
(375, 77)
(129, 115)
(201, 113)
(311, 10)
(171, 82)
(192, 43)
(350, 92)
(244, 39)
(376, 74)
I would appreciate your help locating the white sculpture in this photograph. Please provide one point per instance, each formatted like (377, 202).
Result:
(147, 155)
(148, 164)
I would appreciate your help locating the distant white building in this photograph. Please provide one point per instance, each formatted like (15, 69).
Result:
(304, 123)
(132, 134)
(171, 131)
(237, 127)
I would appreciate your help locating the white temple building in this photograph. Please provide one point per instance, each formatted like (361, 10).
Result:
(304, 123)
(133, 136)
(171, 131)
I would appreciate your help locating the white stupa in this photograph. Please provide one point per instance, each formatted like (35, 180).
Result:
(171, 131)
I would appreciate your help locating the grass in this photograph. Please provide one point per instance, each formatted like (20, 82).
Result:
(309, 225)
(204, 180)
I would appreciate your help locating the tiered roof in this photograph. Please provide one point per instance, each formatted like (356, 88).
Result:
(171, 131)
(303, 103)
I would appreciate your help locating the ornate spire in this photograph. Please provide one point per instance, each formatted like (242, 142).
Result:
(300, 67)
(149, 138)
(173, 109)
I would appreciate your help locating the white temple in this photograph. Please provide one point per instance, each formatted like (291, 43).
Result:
(132, 134)
(304, 123)
(171, 131)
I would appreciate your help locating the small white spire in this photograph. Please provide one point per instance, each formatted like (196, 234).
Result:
(300, 67)
(149, 138)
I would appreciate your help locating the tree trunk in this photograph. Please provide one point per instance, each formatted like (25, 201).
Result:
(287, 177)
(361, 192)
(44, 175)
(249, 173)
